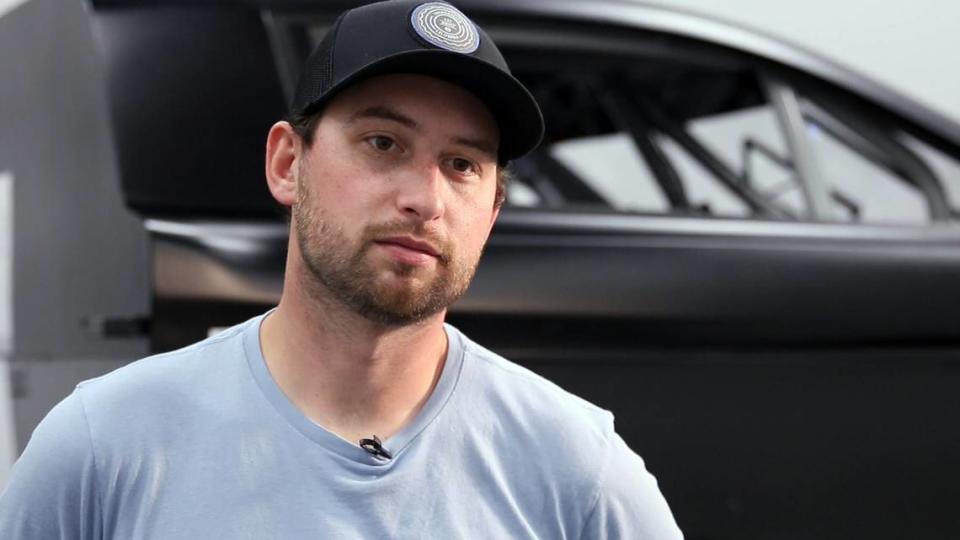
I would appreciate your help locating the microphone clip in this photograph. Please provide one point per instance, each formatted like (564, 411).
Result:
(375, 447)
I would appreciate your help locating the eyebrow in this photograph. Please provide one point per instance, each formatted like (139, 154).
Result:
(481, 145)
(386, 113)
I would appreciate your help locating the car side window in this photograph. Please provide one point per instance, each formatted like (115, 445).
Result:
(748, 141)
(863, 191)
(611, 166)
(660, 136)
(945, 166)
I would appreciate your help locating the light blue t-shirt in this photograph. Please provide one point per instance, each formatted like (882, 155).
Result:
(202, 443)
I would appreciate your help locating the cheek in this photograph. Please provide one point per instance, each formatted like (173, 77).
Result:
(341, 186)
(474, 232)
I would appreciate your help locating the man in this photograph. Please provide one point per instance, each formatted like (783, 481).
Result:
(351, 410)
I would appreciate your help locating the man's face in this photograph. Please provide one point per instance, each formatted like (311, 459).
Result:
(396, 196)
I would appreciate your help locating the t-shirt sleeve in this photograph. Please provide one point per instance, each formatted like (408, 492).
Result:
(629, 503)
(52, 489)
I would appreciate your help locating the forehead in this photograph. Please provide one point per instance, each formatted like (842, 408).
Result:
(431, 102)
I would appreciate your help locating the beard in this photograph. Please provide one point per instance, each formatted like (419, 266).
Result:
(358, 281)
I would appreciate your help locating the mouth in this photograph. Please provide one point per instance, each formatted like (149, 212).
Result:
(412, 244)
(409, 250)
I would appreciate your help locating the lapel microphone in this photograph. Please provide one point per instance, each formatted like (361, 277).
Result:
(375, 447)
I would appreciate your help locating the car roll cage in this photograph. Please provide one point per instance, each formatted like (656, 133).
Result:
(640, 116)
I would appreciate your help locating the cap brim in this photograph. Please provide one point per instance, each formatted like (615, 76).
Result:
(515, 110)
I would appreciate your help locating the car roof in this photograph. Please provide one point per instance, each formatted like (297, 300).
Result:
(648, 16)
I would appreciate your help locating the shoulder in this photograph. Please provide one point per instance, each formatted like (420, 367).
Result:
(543, 406)
(145, 400)
(168, 372)
(52, 490)
(628, 502)
(567, 446)
(561, 437)
(75, 457)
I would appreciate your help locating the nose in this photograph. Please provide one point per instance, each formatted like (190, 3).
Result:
(420, 193)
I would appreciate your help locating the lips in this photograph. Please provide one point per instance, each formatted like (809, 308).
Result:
(409, 250)
(411, 243)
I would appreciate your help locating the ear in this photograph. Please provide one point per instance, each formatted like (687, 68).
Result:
(497, 205)
(493, 218)
(496, 214)
(284, 151)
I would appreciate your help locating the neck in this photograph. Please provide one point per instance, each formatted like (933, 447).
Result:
(352, 376)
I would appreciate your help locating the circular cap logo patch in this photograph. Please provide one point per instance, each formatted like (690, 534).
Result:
(444, 26)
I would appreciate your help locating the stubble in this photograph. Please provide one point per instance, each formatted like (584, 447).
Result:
(385, 292)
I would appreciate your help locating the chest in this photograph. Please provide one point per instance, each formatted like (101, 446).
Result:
(259, 491)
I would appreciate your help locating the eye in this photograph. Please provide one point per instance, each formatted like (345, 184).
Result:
(382, 143)
(463, 166)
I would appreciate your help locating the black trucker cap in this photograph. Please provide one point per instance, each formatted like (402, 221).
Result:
(425, 38)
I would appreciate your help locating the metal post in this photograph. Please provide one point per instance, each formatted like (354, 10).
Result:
(809, 175)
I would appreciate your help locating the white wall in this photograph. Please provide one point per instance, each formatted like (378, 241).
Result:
(912, 47)
(7, 5)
